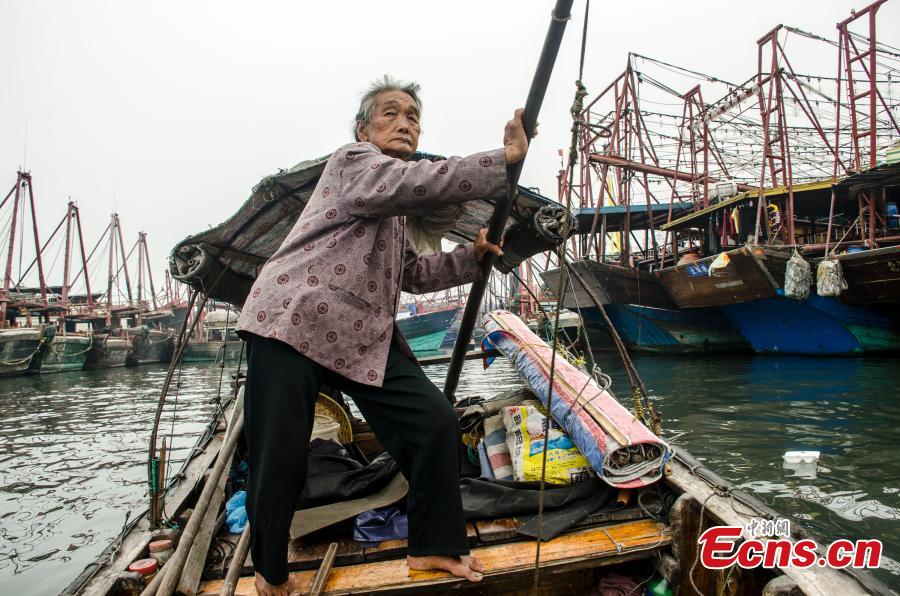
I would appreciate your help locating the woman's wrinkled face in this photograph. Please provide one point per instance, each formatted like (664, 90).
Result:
(394, 127)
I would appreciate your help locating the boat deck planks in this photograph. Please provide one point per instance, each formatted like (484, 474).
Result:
(589, 547)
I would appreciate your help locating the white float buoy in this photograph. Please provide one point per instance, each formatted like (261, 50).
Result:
(801, 463)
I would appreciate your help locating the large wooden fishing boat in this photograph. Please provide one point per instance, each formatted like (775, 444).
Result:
(107, 351)
(611, 284)
(873, 277)
(61, 352)
(149, 346)
(17, 348)
(644, 315)
(754, 272)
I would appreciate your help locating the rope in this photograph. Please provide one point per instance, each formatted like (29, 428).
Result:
(224, 349)
(22, 360)
(62, 352)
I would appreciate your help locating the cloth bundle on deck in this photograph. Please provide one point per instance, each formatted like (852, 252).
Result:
(620, 449)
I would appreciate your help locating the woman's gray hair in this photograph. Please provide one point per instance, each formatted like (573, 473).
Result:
(367, 102)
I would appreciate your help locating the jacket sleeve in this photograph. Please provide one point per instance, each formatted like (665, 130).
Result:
(439, 271)
(377, 185)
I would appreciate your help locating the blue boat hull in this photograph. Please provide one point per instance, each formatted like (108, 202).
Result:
(660, 330)
(815, 326)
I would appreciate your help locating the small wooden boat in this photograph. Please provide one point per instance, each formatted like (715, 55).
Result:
(652, 532)
(17, 348)
(425, 332)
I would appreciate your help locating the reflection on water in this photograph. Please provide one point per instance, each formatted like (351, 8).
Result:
(73, 446)
(741, 414)
(73, 451)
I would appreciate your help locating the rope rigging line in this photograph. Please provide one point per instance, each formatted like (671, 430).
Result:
(577, 108)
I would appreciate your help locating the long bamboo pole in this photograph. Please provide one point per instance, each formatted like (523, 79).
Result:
(559, 17)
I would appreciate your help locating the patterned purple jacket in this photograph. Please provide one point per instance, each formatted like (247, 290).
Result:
(332, 288)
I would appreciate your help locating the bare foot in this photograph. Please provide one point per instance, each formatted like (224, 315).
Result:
(466, 566)
(264, 588)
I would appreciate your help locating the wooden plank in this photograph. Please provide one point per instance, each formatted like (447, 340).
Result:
(495, 530)
(390, 549)
(445, 358)
(586, 548)
(196, 559)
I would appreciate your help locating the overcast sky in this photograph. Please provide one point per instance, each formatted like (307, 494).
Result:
(169, 112)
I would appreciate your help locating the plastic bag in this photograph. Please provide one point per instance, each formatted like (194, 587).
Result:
(525, 439)
(830, 278)
(797, 278)
(236, 512)
(719, 264)
(496, 449)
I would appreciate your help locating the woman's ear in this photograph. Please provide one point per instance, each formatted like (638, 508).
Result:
(361, 132)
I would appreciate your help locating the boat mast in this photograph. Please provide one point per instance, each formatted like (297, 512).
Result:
(7, 278)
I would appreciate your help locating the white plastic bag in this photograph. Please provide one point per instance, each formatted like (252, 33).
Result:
(797, 278)
(719, 264)
(830, 278)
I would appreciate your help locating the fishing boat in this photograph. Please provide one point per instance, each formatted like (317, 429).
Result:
(214, 339)
(425, 332)
(61, 352)
(649, 531)
(644, 315)
(17, 348)
(642, 525)
(149, 346)
(108, 350)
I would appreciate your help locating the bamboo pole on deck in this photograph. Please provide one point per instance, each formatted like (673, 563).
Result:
(167, 578)
(559, 17)
(237, 563)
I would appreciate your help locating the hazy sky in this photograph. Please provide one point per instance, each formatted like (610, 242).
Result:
(169, 112)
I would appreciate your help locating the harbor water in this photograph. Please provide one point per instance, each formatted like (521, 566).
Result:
(73, 446)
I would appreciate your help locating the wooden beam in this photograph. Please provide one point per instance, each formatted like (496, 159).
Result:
(445, 358)
(593, 547)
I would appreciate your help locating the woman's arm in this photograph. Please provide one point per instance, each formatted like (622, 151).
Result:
(439, 271)
(376, 185)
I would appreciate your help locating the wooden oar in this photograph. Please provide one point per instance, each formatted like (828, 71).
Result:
(559, 17)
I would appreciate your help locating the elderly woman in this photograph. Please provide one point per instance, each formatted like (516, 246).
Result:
(322, 310)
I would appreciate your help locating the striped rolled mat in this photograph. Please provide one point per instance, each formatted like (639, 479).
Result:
(621, 450)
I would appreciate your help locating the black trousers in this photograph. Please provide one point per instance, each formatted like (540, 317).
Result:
(410, 416)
